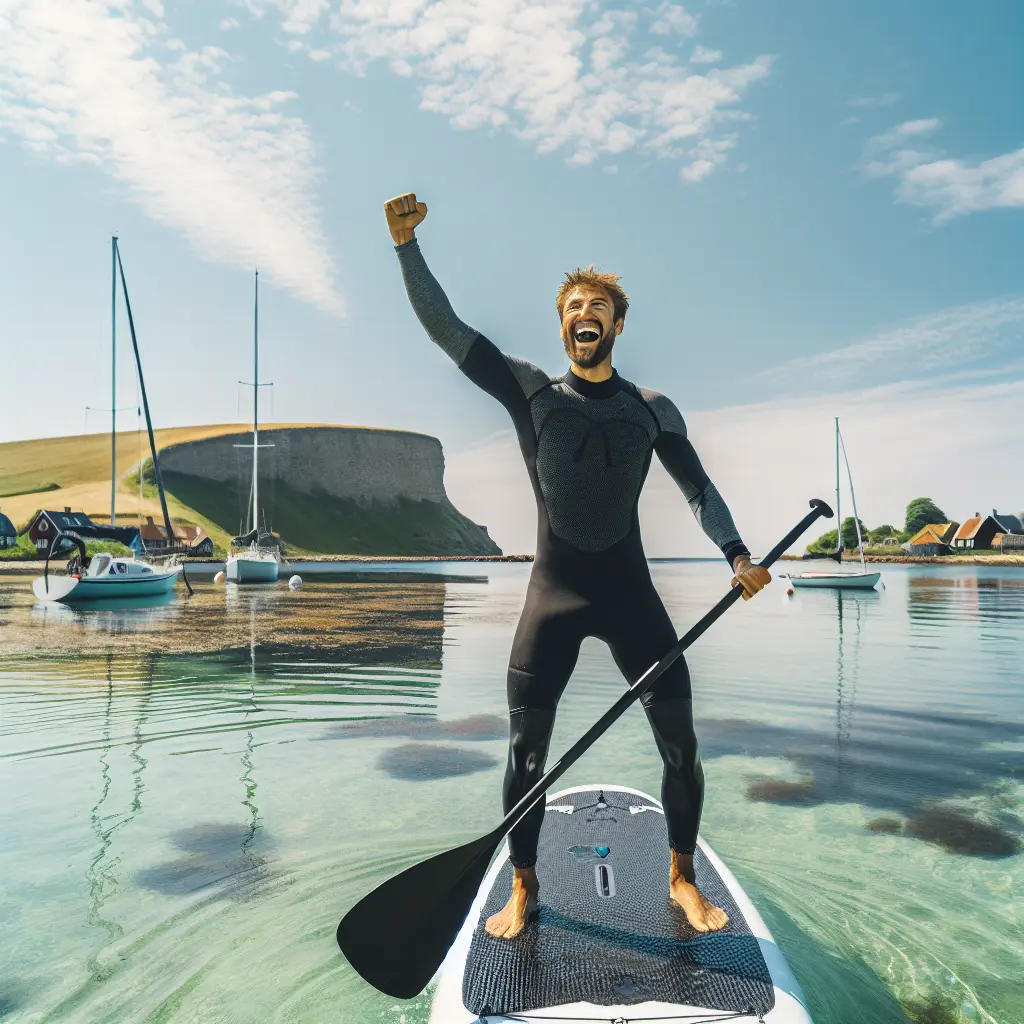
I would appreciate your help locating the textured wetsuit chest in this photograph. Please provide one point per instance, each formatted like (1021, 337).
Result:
(592, 458)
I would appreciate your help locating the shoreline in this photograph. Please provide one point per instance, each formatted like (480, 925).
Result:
(1000, 560)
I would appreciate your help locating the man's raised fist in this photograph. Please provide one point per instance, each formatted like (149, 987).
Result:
(404, 214)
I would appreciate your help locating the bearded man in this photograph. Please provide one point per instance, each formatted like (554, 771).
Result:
(587, 438)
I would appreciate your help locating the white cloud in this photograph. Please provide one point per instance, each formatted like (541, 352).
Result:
(104, 83)
(937, 342)
(674, 19)
(563, 75)
(702, 55)
(952, 187)
(226, 24)
(952, 444)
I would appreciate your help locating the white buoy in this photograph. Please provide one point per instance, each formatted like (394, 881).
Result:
(220, 577)
(295, 582)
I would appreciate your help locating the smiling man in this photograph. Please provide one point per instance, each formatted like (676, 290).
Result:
(587, 438)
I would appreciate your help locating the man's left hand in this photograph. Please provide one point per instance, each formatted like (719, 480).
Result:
(751, 577)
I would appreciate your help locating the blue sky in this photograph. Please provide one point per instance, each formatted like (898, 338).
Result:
(816, 208)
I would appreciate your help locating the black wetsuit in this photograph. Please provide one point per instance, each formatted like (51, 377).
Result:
(588, 448)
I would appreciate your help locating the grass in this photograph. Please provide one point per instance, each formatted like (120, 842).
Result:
(80, 468)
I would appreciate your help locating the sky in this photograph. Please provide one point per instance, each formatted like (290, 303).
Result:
(817, 210)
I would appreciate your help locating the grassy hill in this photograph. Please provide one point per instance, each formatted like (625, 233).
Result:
(75, 471)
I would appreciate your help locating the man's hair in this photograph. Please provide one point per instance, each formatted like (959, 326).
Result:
(595, 279)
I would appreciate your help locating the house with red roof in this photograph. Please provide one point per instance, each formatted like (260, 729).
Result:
(977, 533)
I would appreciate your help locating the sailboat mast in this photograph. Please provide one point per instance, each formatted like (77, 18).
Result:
(256, 400)
(839, 516)
(113, 375)
(853, 498)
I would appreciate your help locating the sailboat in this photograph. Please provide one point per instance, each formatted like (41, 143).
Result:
(259, 559)
(862, 580)
(107, 576)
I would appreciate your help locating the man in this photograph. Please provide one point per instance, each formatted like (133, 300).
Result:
(587, 438)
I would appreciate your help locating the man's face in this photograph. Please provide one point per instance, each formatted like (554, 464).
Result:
(589, 329)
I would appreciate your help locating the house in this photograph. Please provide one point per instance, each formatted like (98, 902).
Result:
(1013, 531)
(933, 539)
(8, 534)
(1008, 523)
(194, 540)
(47, 524)
(976, 534)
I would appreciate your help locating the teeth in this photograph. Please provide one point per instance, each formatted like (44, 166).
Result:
(587, 332)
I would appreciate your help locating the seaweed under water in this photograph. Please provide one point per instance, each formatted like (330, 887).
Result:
(959, 833)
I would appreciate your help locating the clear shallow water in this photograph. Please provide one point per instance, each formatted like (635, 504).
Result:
(195, 793)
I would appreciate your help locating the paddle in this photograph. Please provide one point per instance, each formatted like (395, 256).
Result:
(397, 935)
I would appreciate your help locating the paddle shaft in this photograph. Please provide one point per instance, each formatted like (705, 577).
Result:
(648, 679)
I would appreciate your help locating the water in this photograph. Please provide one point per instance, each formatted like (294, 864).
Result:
(195, 793)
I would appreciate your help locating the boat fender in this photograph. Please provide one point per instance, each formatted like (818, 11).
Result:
(295, 582)
(220, 577)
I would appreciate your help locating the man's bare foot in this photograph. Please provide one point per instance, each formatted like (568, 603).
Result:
(702, 915)
(508, 922)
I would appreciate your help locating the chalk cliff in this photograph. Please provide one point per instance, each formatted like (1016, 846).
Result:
(333, 490)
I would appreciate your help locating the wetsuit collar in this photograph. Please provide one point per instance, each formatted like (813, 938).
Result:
(593, 389)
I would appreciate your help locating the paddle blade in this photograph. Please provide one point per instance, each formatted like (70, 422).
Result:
(397, 935)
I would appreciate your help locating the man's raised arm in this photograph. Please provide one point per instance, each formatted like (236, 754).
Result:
(512, 381)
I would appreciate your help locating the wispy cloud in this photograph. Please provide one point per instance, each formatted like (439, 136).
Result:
(932, 344)
(703, 55)
(568, 76)
(953, 187)
(886, 99)
(105, 83)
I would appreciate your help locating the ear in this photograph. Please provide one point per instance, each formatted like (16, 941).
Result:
(619, 324)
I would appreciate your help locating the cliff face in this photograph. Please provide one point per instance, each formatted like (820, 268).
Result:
(333, 490)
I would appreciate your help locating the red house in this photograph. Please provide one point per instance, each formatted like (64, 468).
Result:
(47, 524)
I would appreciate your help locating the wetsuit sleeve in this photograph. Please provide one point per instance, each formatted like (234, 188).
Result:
(679, 458)
(512, 381)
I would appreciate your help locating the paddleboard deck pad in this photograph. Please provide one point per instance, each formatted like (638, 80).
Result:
(606, 932)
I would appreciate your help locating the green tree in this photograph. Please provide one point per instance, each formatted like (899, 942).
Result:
(850, 532)
(879, 533)
(921, 512)
(824, 545)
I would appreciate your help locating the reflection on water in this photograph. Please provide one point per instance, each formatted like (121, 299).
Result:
(200, 789)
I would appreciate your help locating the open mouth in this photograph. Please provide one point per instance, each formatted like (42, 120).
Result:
(587, 331)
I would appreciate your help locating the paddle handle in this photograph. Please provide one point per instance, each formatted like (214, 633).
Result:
(819, 509)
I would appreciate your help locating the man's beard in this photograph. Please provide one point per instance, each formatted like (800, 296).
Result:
(584, 359)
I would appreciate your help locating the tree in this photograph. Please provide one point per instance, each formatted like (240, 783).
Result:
(921, 512)
(824, 545)
(879, 533)
(850, 532)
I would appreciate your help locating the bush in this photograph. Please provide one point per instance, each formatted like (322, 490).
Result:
(824, 545)
(850, 532)
(109, 547)
(879, 533)
(23, 551)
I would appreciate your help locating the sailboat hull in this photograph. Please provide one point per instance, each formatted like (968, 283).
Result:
(71, 590)
(248, 568)
(837, 580)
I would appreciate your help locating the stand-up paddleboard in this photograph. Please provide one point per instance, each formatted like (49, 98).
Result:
(607, 943)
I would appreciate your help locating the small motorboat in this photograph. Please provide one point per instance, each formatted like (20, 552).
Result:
(102, 576)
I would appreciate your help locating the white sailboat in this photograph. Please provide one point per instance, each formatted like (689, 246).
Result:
(862, 580)
(105, 576)
(258, 562)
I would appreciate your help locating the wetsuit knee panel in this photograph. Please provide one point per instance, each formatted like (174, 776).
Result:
(672, 724)
(529, 736)
(531, 691)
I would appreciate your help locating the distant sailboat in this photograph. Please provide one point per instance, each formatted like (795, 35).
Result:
(862, 580)
(259, 561)
(107, 576)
